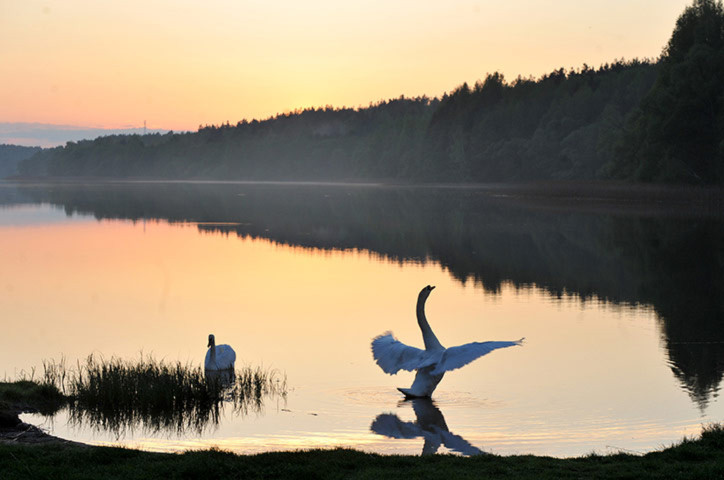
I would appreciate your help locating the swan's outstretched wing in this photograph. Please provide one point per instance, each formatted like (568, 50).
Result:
(456, 357)
(459, 444)
(390, 425)
(392, 355)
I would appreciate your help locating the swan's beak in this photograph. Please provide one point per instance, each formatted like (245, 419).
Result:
(208, 344)
(432, 287)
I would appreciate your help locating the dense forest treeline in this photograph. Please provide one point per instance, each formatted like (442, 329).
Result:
(642, 120)
(560, 126)
(677, 133)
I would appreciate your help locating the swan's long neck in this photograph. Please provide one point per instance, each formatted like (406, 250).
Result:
(213, 351)
(431, 341)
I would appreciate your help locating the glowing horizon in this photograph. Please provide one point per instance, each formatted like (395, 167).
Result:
(177, 65)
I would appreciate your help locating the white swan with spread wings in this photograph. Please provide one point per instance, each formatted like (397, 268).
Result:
(432, 362)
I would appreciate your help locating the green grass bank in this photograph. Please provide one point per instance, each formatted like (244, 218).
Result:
(26, 395)
(701, 458)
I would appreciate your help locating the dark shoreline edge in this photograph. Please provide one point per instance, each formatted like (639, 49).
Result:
(593, 196)
(690, 459)
(563, 188)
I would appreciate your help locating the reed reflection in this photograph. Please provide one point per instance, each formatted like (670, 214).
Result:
(429, 424)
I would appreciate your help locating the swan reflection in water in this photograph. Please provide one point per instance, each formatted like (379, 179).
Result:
(224, 378)
(430, 425)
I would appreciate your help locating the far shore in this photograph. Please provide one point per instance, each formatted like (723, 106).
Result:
(594, 196)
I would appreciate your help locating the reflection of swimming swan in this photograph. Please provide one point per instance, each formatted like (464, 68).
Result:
(219, 357)
(430, 425)
(432, 363)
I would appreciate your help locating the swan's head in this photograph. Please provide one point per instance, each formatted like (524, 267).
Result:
(212, 341)
(425, 292)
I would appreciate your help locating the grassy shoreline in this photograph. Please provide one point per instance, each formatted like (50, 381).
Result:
(27, 395)
(699, 458)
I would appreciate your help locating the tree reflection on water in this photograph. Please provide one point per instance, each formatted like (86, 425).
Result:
(631, 248)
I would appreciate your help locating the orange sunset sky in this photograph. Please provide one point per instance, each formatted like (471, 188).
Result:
(178, 64)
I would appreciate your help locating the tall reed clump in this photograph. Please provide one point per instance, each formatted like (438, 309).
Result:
(119, 395)
(251, 386)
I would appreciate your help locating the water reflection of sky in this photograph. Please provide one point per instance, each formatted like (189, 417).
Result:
(592, 375)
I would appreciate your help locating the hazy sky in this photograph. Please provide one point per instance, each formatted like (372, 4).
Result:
(178, 63)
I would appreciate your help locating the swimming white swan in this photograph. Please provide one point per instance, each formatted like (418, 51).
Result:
(219, 357)
(432, 363)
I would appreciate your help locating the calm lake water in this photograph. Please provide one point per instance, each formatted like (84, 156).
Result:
(621, 308)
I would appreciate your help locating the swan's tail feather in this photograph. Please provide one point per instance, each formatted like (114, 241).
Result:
(408, 393)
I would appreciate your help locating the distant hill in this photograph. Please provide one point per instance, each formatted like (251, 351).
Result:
(48, 135)
(11, 155)
(638, 120)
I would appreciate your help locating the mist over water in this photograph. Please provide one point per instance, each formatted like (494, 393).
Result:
(619, 305)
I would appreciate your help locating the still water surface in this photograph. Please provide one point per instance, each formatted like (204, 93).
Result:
(622, 313)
